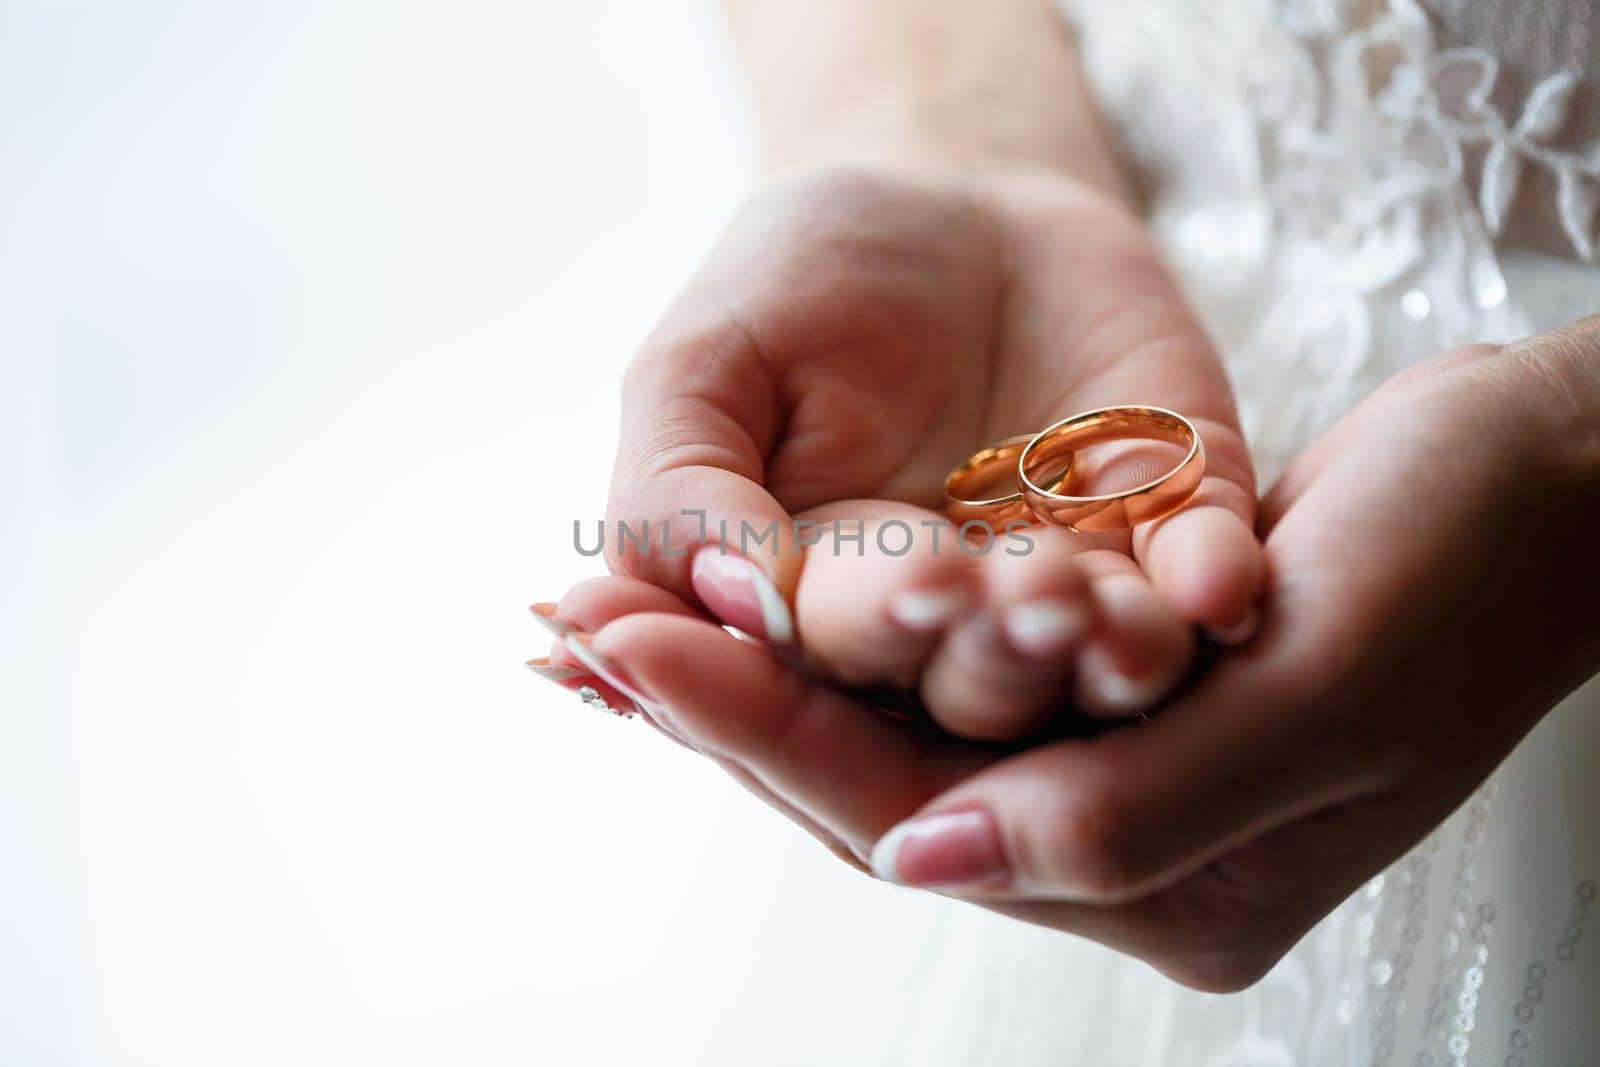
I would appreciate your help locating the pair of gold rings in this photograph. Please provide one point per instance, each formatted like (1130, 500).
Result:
(1044, 463)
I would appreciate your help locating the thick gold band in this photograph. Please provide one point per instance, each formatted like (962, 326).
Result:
(1113, 511)
(981, 466)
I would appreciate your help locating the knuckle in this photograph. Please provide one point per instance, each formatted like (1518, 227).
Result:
(626, 560)
(699, 346)
(677, 435)
(1091, 845)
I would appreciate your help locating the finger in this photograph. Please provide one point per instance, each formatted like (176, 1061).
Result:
(589, 606)
(1206, 559)
(1141, 647)
(595, 692)
(594, 602)
(873, 603)
(586, 607)
(1002, 671)
(853, 771)
(1224, 927)
(1138, 809)
(1133, 340)
(824, 836)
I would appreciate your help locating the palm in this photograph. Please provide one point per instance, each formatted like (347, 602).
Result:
(901, 325)
(876, 323)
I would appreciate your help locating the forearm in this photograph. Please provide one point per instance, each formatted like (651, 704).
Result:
(963, 82)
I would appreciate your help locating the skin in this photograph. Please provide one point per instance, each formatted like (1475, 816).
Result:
(1208, 840)
(857, 332)
(946, 253)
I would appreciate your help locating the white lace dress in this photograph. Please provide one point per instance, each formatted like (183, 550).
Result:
(1347, 187)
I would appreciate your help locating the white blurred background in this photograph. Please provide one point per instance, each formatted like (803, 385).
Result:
(312, 316)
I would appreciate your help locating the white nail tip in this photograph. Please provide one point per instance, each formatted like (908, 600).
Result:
(775, 614)
(927, 609)
(1239, 632)
(886, 851)
(1124, 694)
(1111, 690)
(1046, 626)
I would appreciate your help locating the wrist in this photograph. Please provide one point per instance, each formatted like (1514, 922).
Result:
(946, 84)
(958, 129)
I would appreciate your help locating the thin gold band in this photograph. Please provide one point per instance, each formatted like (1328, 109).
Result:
(1112, 511)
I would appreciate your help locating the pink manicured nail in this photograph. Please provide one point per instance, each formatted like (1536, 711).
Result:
(741, 595)
(957, 848)
(593, 690)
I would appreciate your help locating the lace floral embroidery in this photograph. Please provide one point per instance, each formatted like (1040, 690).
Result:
(1448, 97)
(1309, 165)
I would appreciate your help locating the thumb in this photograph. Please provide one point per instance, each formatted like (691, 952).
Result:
(1134, 810)
(700, 413)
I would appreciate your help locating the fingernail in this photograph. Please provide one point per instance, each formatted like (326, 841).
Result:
(1106, 689)
(1046, 627)
(582, 646)
(591, 689)
(958, 848)
(924, 610)
(741, 595)
(546, 616)
(1239, 632)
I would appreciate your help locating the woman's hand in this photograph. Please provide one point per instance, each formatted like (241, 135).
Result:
(950, 260)
(856, 333)
(1434, 570)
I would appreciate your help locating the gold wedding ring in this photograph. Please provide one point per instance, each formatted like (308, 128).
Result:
(1112, 511)
(980, 469)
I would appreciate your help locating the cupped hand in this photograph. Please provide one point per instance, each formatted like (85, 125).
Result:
(1422, 618)
(855, 334)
